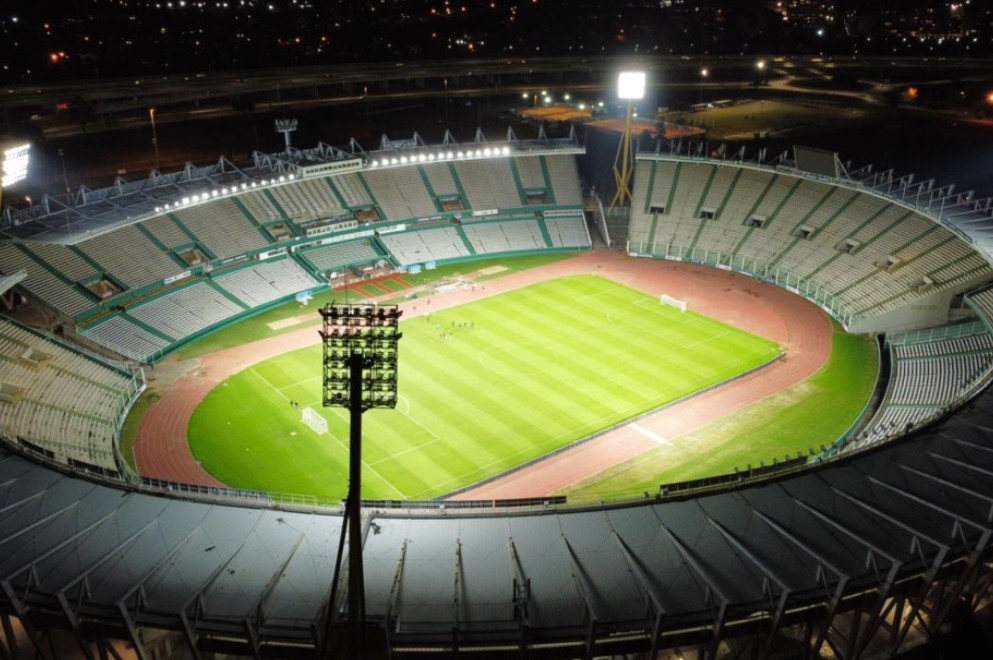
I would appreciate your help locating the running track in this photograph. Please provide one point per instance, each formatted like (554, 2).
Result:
(800, 327)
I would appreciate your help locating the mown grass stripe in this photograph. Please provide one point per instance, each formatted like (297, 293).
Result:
(483, 388)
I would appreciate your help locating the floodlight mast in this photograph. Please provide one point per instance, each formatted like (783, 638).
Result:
(360, 372)
(630, 87)
(14, 160)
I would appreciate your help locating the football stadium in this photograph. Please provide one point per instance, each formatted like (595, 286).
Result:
(743, 416)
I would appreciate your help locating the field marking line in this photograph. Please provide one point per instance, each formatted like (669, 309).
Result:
(708, 339)
(665, 337)
(407, 451)
(266, 381)
(654, 437)
(335, 438)
(344, 446)
(299, 382)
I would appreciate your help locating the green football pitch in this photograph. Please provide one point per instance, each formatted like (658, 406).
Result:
(483, 388)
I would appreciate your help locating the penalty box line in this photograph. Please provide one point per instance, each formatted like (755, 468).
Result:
(336, 439)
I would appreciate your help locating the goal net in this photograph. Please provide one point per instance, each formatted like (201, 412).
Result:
(312, 419)
(673, 302)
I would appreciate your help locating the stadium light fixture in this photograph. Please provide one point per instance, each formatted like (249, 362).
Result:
(14, 167)
(631, 85)
(360, 362)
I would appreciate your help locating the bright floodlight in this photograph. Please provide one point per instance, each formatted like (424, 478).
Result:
(15, 164)
(631, 85)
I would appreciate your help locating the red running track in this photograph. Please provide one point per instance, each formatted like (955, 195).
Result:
(162, 450)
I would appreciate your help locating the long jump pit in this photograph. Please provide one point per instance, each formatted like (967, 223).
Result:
(800, 327)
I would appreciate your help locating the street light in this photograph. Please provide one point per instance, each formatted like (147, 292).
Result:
(704, 72)
(760, 68)
(155, 137)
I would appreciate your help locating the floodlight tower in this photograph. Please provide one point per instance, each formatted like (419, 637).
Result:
(360, 372)
(630, 87)
(14, 158)
(286, 126)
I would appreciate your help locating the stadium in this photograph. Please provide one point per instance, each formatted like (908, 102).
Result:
(866, 545)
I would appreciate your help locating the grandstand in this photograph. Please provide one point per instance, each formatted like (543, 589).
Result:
(869, 257)
(124, 285)
(61, 404)
(267, 282)
(338, 256)
(774, 568)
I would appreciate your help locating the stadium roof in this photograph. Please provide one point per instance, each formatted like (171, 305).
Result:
(80, 551)
(93, 212)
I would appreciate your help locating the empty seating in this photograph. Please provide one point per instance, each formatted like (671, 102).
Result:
(440, 177)
(43, 283)
(493, 237)
(425, 245)
(266, 282)
(261, 208)
(564, 177)
(400, 192)
(69, 406)
(222, 228)
(187, 311)
(350, 188)
(307, 199)
(122, 335)
(489, 184)
(529, 169)
(567, 231)
(336, 256)
(926, 378)
(131, 257)
(871, 255)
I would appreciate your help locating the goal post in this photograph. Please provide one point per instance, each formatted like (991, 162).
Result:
(315, 421)
(666, 299)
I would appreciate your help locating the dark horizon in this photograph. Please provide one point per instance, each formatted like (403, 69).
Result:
(105, 38)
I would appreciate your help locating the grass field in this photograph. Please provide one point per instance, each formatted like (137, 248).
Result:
(483, 388)
(818, 410)
(761, 116)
